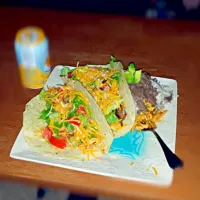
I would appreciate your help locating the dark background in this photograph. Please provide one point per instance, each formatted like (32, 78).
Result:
(127, 7)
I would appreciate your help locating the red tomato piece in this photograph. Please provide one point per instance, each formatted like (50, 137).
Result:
(59, 89)
(47, 133)
(58, 142)
(75, 122)
(69, 74)
(81, 110)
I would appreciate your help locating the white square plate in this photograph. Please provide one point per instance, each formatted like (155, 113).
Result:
(150, 167)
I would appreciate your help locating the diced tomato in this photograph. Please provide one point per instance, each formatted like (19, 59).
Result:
(69, 74)
(81, 110)
(47, 133)
(59, 89)
(75, 122)
(58, 142)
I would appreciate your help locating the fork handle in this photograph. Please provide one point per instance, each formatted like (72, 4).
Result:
(173, 160)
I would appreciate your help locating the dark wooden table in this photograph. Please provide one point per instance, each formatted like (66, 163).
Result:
(163, 48)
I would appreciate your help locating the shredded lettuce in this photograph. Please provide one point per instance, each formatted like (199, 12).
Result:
(84, 120)
(82, 70)
(91, 83)
(48, 105)
(77, 101)
(53, 113)
(91, 135)
(57, 124)
(111, 117)
(64, 71)
(44, 114)
(112, 61)
(72, 112)
(42, 94)
(74, 77)
(48, 114)
(116, 76)
(69, 126)
(56, 131)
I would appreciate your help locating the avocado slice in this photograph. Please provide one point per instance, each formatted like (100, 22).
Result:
(137, 76)
(129, 76)
(132, 68)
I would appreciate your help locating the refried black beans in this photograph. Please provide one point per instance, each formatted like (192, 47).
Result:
(144, 90)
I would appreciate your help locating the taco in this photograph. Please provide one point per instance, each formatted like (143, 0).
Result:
(66, 122)
(109, 88)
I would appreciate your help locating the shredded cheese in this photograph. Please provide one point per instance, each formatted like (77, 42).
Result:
(81, 136)
(155, 171)
(92, 79)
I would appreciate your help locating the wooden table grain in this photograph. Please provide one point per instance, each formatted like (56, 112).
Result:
(163, 48)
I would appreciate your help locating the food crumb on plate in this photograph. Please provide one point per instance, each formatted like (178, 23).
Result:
(155, 171)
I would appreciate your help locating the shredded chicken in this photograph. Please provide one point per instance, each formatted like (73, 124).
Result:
(148, 118)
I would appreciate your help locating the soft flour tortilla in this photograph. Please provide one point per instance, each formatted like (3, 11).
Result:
(129, 103)
(125, 93)
(32, 123)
